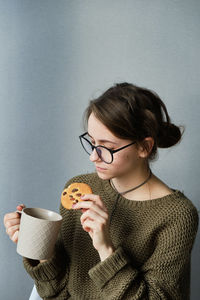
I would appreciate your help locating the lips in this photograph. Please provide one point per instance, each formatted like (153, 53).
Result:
(100, 169)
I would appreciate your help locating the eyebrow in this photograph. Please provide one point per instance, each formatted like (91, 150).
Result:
(103, 140)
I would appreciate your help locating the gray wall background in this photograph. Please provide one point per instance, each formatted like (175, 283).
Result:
(54, 57)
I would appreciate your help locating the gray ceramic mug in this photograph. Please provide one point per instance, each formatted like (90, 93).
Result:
(38, 233)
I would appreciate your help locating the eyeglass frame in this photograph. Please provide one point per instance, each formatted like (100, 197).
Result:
(82, 136)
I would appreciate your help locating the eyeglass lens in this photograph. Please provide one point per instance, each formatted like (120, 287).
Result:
(102, 152)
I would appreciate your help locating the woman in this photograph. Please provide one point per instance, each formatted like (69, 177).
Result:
(132, 238)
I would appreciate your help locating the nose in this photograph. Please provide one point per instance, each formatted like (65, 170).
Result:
(94, 156)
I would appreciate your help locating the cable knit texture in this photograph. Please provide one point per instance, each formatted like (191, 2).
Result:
(153, 241)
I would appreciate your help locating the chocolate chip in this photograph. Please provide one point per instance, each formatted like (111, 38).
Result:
(75, 201)
(78, 195)
(74, 190)
(71, 196)
(64, 193)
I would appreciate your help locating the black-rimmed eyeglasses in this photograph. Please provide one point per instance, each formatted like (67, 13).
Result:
(104, 153)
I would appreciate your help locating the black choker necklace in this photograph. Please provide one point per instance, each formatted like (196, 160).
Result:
(136, 187)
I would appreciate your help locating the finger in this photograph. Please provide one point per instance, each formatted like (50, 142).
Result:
(10, 217)
(88, 225)
(87, 229)
(14, 238)
(94, 198)
(11, 230)
(89, 205)
(12, 222)
(92, 226)
(93, 215)
(20, 207)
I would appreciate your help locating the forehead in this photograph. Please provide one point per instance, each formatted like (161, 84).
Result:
(98, 130)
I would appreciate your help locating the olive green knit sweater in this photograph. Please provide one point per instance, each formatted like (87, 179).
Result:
(153, 241)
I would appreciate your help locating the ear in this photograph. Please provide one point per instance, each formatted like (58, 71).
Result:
(145, 148)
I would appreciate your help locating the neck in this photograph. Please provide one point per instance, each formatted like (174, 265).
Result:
(130, 181)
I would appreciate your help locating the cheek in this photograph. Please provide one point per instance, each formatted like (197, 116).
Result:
(127, 159)
(122, 160)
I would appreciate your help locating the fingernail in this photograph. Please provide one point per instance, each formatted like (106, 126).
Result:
(19, 207)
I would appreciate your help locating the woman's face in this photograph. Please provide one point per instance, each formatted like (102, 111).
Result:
(125, 161)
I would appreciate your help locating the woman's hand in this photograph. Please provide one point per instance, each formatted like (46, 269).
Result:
(94, 220)
(12, 222)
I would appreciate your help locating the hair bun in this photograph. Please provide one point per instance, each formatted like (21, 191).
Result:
(168, 135)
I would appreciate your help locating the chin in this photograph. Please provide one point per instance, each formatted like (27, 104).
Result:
(103, 175)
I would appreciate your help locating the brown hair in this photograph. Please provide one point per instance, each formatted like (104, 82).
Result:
(132, 112)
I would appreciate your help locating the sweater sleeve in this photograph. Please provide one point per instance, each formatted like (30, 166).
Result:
(166, 273)
(50, 277)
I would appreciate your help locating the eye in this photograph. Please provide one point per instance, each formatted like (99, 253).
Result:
(99, 151)
(92, 142)
(109, 148)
